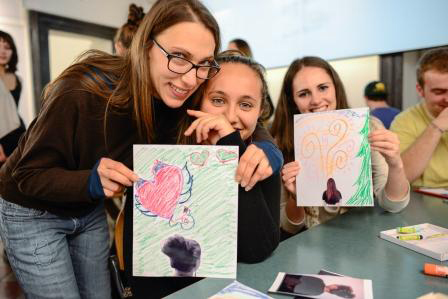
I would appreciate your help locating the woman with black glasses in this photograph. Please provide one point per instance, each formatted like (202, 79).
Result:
(78, 151)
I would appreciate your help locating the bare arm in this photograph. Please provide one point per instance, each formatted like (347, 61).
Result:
(424, 147)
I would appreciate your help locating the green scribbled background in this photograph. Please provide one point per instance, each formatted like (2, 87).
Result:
(214, 206)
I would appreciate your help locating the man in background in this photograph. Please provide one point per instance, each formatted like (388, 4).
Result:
(422, 129)
(375, 94)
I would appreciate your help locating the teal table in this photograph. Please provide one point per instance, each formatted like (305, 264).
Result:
(349, 245)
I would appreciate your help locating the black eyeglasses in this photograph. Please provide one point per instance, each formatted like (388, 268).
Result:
(181, 65)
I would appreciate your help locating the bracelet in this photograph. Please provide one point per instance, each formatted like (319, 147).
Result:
(437, 127)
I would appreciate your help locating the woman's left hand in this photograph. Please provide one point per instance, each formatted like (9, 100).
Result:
(387, 143)
(253, 167)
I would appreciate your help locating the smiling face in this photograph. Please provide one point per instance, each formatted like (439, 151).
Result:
(235, 92)
(190, 40)
(313, 90)
(434, 91)
(5, 52)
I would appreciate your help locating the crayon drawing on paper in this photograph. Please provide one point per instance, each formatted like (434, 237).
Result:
(185, 211)
(334, 155)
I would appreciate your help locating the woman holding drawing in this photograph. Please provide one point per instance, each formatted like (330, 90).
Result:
(78, 151)
(311, 85)
(231, 105)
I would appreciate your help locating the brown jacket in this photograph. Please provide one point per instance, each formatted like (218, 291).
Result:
(50, 168)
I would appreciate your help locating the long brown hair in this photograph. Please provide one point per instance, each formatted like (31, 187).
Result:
(283, 126)
(235, 57)
(129, 76)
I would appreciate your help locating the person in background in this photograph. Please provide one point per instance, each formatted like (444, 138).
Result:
(125, 34)
(242, 46)
(8, 68)
(232, 105)
(423, 128)
(375, 94)
(310, 85)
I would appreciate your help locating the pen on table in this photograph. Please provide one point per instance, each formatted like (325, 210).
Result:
(410, 237)
(436, 270)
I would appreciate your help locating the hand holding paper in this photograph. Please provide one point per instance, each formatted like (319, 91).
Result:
(289, 174)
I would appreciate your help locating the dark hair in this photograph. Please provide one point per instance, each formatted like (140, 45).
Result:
(11, 66)
(235, 57)
(242, 46)
(434, 59)
(332, 195)
(283, 126)
(130, 75)
(184, 254)
(376, 91)
(126, 32)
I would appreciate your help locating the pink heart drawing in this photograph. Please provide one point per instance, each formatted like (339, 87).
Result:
(160, 195)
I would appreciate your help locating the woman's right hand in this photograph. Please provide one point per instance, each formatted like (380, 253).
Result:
(115, 176)
(289, 173)
(209, 127)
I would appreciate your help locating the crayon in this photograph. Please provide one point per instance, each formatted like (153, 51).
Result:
(406, 230)
(410, 237)
(436, 270)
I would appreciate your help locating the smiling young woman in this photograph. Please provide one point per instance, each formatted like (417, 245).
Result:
(312, 85)
(228, 110)
(78, 151)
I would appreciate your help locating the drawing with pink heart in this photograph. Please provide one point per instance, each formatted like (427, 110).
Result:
(199, 159)
(160, 195)
(226, 156)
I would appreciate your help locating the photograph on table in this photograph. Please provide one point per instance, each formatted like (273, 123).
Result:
(322, 286)
(334, 154)
(185, 211)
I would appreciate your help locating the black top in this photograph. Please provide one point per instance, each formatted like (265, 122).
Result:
(17, 91)
(258, 220)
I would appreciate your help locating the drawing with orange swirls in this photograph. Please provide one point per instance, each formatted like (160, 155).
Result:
(333, 144)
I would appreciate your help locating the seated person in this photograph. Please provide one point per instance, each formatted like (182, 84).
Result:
(231, 107)
(311, 84)
(422, 129)
(240, 45)
(375, 94)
